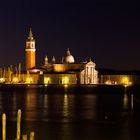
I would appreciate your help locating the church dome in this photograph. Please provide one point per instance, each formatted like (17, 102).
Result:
(68, 58)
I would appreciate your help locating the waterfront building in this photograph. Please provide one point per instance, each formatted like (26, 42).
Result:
(118, 77)
(64, 73)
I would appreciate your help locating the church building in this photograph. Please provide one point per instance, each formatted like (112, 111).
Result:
(65, 72)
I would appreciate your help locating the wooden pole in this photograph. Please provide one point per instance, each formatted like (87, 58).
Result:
(18, 124)
(24, 137)
(3, 126)
(32, 134)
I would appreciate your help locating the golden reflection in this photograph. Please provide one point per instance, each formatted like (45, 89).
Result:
(125, 101)
(45, 101)
(65, 106)
(14, 105)
(65, 89)
(0, 101)
(132, 101)
(45, 106)
(31, 105)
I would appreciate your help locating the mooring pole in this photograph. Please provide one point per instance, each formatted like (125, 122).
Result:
(32, 134)
(24, 137)
(3, 126)
(18, 124)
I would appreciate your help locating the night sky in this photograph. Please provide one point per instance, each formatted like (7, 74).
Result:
(108, 31)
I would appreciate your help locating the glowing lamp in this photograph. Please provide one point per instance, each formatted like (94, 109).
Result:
(65, 80)
(29, 80)
(47, 80)
(15, 79)
(126, 81)
(2, 80)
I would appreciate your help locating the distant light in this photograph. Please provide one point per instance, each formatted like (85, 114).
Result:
(65, 85)
(126, 81)
(35, 70)
(41, 73)
(65, 80)
(106, 117)
(29, 80)
(108, 82)
(15, 80)
(2, 80)
(47, 80)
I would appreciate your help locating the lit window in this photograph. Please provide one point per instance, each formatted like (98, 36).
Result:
(65, 80)
(29, 80)
(2, 80)
(47, 80)
(126, 81)
(15, 79)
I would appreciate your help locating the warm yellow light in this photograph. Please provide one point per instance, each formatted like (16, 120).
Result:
(65, 85)
(108, 82)
(65, 80)
(2, 80)
(15, 80)
(47, 80)
(29, 80)
(126, 81)
(59, 67)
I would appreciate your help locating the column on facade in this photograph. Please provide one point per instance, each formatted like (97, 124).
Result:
(91, 75)
(84, 74)
(87, 76)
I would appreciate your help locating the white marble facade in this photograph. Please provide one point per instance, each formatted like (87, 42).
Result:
(89, 75)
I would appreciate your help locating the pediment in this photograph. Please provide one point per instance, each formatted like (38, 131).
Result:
(90, 63)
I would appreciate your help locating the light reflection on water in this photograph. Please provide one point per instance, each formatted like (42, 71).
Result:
(70, 115)
(66, 106)
(125, 101)
(31, 105)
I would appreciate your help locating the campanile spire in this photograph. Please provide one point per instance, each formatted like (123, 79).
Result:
(30, 37)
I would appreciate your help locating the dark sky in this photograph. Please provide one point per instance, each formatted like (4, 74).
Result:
(106, 30)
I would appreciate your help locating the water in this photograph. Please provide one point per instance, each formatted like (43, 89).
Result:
(62, 114)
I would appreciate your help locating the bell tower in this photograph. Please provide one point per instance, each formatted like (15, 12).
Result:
(30, 51)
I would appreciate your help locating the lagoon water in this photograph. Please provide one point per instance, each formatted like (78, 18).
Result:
(73, 114)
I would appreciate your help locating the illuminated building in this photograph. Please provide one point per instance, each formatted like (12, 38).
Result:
(113, 77)
(30, 51)
(89, 75)
(66, 72)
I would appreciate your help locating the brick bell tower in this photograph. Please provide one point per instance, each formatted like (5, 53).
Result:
(30, 51)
